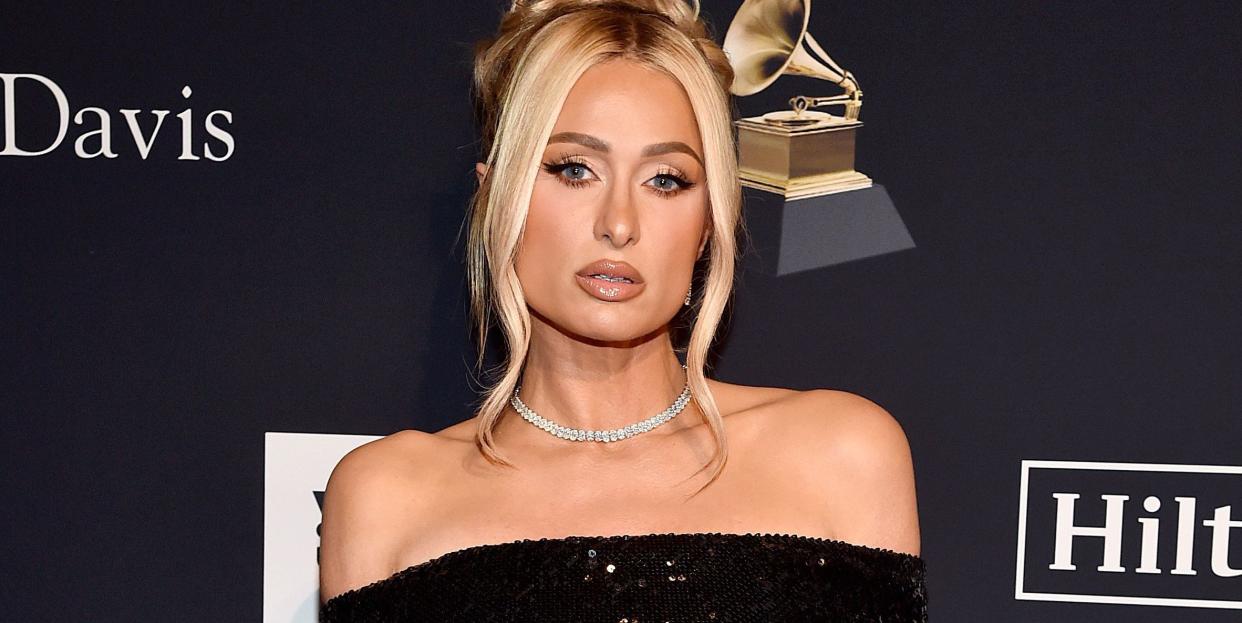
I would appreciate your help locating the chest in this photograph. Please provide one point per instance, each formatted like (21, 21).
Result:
(557, 499)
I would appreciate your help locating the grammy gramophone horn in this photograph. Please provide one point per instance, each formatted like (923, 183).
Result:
(768, 38)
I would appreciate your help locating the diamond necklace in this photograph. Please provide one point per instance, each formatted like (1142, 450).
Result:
(576, 434)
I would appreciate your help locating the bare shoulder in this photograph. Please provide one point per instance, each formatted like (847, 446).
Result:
(855, 428)
(371, 495)
(857, 454)
(737, 399)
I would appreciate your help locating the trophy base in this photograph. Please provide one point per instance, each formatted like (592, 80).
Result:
(798, 161)
(790, 237)
(807, 187)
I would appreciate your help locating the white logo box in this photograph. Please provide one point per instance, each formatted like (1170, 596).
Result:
(1020, 592)
(296, 466)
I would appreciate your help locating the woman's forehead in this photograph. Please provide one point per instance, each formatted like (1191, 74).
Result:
(629, 105)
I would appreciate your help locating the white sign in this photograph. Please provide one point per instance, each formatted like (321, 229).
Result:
(1142, 534)
(296, 467)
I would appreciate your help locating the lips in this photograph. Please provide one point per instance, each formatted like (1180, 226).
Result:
(610, 280)
(611, 270)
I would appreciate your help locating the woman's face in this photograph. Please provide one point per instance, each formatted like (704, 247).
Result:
(621, 180)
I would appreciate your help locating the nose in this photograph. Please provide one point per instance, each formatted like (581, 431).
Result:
(618, 218)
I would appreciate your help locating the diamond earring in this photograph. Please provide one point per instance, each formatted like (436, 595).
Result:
(688, 293)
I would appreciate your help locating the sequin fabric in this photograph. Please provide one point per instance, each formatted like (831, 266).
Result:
(654, 578)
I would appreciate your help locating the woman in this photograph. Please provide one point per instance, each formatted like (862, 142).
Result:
(591, 484)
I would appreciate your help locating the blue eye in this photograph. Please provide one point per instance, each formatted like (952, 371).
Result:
(577, 168)
(682, 185)
(574, 167)
(675, 180)
(565, 164)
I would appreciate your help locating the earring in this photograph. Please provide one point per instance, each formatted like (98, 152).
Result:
(688, 293)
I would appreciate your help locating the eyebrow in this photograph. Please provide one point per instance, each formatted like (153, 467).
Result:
(598, 144)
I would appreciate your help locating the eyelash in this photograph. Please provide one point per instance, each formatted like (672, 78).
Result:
(565, 162)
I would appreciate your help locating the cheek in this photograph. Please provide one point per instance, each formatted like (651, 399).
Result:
(554, 217)
(688, 231)
(548, 232)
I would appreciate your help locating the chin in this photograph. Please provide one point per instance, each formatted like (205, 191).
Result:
(611, 325)
(593, 320)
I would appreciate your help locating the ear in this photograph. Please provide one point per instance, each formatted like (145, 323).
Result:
(480, 171)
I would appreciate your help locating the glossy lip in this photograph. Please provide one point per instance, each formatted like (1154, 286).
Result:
(612, 268)
(610, 290)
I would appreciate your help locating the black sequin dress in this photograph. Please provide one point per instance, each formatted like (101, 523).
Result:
(678, 578)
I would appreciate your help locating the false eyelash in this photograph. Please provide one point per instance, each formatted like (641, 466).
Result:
(564, 162)
(682, 182)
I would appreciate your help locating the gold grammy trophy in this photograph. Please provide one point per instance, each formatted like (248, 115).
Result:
(796, 153)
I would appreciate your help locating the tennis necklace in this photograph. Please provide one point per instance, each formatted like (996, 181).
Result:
(577, 434)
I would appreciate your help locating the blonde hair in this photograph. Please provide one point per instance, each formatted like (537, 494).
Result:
(522, 76)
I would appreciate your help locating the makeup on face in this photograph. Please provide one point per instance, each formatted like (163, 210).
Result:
(610, 280)
(668, 173)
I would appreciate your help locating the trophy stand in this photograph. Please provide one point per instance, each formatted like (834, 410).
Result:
(800, 161)
(812, 208)
(794, 236)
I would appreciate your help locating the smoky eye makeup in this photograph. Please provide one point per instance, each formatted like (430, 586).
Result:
(677, 177)
(556, 166)
(676, 174)
(576, 165)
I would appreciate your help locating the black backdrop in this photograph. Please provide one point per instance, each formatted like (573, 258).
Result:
(1068, 172)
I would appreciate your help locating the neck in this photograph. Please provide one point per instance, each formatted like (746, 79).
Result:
(598, 385)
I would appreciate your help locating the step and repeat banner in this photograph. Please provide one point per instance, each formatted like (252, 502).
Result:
(231, 255)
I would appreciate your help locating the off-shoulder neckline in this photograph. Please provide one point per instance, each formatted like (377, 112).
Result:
(605, 539)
